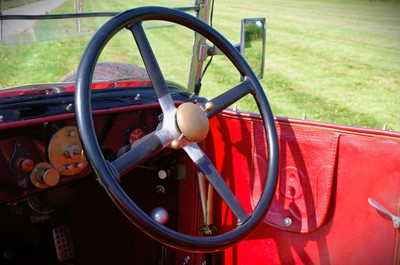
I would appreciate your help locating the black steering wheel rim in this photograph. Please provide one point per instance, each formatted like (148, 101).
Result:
(104, 171)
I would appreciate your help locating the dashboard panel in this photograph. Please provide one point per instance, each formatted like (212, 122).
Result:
(45, 155)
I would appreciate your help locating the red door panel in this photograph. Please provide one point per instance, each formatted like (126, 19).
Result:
(363, 164)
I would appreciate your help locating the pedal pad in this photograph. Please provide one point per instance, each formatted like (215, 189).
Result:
(63, 243)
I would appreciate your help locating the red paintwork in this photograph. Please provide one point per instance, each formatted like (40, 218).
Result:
(341, 168)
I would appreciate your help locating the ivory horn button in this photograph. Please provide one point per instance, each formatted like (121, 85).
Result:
(192, 122)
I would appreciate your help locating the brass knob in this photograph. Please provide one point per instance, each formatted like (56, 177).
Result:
(44, 175)
(209, 106)
(49, 176)
(177, 142)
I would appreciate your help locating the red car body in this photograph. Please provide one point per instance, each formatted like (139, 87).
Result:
(336, 199)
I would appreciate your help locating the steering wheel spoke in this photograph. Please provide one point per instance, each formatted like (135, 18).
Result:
(215, 179)
(142, 149)
(152, 66)
(229, 97)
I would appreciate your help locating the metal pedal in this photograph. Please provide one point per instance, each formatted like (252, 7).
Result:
(63, 243)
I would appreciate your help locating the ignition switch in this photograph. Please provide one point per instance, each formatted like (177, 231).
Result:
(22, 162)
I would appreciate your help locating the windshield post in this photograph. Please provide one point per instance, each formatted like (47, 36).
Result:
(196, 66)
(78, 6)
(1, 21)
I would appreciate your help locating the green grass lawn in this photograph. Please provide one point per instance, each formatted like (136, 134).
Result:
(332, 60)
(336, 61)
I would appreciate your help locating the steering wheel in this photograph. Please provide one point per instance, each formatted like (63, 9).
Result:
(181, 127)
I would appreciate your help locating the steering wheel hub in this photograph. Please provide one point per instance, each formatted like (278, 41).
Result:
(192, 122)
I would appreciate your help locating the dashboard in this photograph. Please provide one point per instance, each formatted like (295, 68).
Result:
(49, 154)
